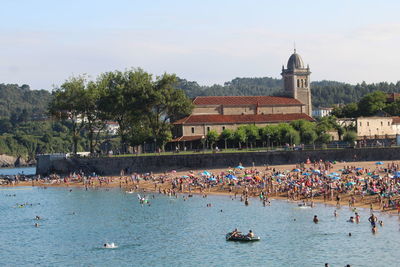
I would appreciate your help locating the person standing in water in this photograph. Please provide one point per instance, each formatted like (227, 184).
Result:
(315, 220)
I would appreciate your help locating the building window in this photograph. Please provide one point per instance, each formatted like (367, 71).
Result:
(298, 83)
(381, 123)
(388, 123)
(367, 123)
(223, 128)
(208, 129)
(305, 82)
(360, 123)
(192, 129)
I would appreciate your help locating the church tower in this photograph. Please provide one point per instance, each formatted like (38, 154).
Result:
(296, 80)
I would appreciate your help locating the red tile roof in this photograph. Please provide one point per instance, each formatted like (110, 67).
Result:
(396, 120)
(246, 100)
(251, 118)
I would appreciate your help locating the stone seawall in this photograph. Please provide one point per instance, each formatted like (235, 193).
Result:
(141, 164)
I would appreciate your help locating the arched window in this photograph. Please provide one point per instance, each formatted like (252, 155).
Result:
(298, 83)
(302, 83)
(305, 83)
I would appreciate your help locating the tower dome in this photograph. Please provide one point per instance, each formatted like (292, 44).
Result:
(295, 62)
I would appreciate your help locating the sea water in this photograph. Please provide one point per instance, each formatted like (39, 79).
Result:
(174, 232)
(15, 171)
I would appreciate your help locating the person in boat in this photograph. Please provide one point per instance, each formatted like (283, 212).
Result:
(315, 220)
(250, 234)
(235, 233)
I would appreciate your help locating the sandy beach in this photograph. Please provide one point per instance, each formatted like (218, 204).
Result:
(155, 185)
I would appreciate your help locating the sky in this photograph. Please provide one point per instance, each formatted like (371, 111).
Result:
(44, 42)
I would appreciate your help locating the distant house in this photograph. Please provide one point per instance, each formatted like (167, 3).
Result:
(321, 112)
(111, 128)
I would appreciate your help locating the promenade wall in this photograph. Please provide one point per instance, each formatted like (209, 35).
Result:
(160, 163)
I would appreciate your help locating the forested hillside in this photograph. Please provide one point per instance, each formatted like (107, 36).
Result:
(324, 93)
(21, 103)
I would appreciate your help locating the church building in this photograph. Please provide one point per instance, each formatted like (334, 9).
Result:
(229, 112)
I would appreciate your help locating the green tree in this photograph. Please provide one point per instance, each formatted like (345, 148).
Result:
(270, 134)
(350, 136)
(393, 108)
(212, 137)
(68, 104)
(372, 103)
(240, 136)
(252, 134)
(165, 104)
(94, 117)
(227, 135)
(124, 97)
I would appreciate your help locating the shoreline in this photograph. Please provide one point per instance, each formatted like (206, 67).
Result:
(151, 186)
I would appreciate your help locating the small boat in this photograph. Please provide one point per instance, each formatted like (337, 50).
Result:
(241, 238)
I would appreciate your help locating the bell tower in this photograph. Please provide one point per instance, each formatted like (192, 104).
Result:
(296, 81)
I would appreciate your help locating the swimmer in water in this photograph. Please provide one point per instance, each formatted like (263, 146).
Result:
(335, 213)
(37, 217)
(315, 220)
(351, 219)
(109, 245)
(357, 217)
(36, 225)
(374, 229)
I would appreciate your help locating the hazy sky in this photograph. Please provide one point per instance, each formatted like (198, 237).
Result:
(43, 42)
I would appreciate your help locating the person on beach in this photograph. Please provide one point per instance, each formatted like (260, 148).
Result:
(315, 220)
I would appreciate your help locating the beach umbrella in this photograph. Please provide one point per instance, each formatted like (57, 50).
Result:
(350, 183)
(379, 163)
(375, 176)
(306, 173)
(185, 176)
(212, 179)
(334, 174)
(280, 175)
(296, 170)
(173, 171)
(316, 171)
(206, 173)
(240, 167)
(358, 169)
(248, 177)
(231, 176)
(335, 178)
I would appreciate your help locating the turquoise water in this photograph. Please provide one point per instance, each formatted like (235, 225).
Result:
(173, 232)
(15, 171)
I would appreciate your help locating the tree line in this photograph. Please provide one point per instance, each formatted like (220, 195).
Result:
(369, 105)
(324, 93)
(143, 106)
(295, 132)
